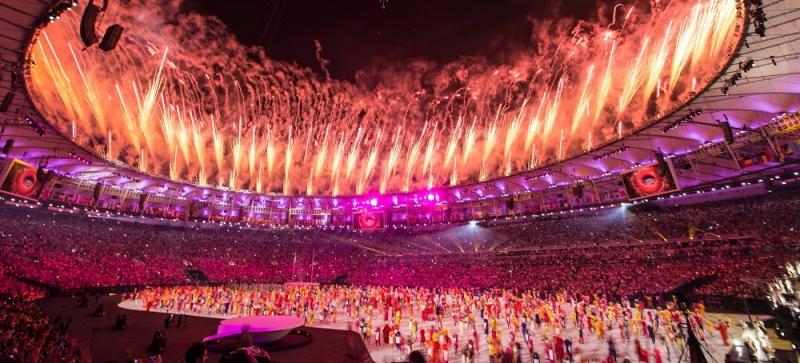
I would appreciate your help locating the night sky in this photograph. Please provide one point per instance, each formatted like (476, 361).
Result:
(355, 33)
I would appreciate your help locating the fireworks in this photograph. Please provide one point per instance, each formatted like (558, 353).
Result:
(179, 97)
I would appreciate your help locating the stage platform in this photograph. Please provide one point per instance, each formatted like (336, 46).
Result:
(262, 329)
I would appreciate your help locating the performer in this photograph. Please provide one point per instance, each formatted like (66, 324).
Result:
(643, 354)
(568, 348)
(530, 346)
(397, 318)
(657, 355)
(524, 326)
(468, 354)
(398, 340)
(612, 351)
(723, 332)
(386, 331)
(558, 345)
(551, 354)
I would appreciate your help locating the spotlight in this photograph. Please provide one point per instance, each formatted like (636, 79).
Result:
(611, 153)
(56, 11)
(35, 125)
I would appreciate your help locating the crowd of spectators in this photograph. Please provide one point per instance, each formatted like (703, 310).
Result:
(70, 252)
(619, 271)
(10, 286)
(771, 216)
(620, 251)
(28, 335)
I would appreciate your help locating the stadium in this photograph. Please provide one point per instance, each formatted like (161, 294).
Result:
(183, 181)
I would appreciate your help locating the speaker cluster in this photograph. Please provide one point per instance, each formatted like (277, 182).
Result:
(88, 28)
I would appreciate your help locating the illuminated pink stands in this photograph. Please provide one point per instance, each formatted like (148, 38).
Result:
(263, 329)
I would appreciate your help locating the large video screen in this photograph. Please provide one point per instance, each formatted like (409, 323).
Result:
(20, 179)
(369, 220)
(649, 180)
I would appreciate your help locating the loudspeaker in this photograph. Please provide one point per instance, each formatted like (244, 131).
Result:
(577, 191)
(769, 185)
(111, 38)
(88, 21)
(8, 145)
(663, 168)
(727, 131)
(143, 202)
(7, 101)
(98, 189)
(46, 177)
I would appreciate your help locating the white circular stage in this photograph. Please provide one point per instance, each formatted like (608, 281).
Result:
(263, 329)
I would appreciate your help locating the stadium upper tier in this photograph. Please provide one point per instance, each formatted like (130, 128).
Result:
(643, 248)
(676, 140)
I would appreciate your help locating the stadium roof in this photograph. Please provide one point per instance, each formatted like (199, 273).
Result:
(764, 70)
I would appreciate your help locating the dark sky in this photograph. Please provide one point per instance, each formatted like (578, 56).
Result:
(354, 33)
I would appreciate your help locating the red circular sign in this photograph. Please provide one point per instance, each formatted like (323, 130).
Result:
(648, 181)
(369, 220)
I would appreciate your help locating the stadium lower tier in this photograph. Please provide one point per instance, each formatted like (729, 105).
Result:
(620, 252)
